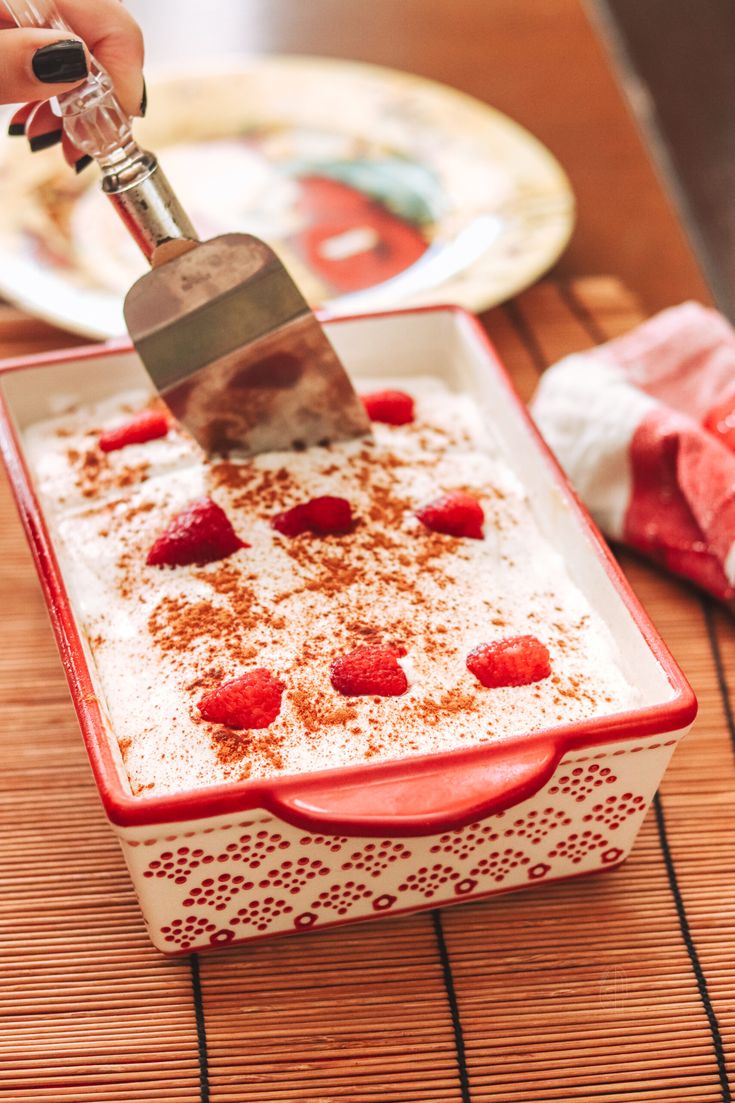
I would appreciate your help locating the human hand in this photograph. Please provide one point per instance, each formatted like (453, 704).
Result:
(38, 64)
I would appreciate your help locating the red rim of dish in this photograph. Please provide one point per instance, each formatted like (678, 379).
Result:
(455, 787)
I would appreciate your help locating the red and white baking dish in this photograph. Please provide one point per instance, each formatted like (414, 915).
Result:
(253, 859)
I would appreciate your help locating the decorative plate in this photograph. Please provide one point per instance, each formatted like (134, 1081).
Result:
(377, 188)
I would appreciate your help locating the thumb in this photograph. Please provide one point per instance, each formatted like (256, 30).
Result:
(37, 64)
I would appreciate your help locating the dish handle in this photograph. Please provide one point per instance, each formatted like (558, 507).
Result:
(420, 797)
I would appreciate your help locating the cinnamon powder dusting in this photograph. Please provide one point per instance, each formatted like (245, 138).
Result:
(233, 748)
(94, 475)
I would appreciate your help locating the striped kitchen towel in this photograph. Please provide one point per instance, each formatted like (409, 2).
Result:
(644, 426)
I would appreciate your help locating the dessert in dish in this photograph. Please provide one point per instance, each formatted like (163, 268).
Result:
(302, 611)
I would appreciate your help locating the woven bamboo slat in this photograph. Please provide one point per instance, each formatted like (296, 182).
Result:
(616, 988)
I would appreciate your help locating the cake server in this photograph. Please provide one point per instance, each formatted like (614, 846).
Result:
(224, 332)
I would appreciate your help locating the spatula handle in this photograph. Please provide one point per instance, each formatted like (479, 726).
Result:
(93, 118)
(97, 125)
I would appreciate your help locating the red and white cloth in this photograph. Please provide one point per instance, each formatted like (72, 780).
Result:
(644, 426)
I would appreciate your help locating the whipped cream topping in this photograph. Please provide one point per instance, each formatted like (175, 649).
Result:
(162, 638)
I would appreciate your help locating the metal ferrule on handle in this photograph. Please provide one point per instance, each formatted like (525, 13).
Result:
(142, 196)
(96, 124)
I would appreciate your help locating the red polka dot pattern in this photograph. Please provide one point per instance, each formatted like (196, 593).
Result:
(499, 863)
(578, 845)
(244, 879)
(374, 858)
(580, 782)
(341, 897)
(261, 914)
(614, 811)
(429, 880)
(185, 933)
(460, 844)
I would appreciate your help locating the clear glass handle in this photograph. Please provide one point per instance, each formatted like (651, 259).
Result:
(93, 119)
(96, 124)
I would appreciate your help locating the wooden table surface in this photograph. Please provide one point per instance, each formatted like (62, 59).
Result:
(541, 63)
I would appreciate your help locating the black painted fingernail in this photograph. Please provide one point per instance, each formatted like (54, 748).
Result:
(60, 62)
(16, 130)
(81, 164)
(144, 101)
(44, 141)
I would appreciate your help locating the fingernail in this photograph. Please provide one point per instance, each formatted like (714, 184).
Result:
(81, 164)
(19, 119)
(60, 62)
(44, 141)
(144, 101)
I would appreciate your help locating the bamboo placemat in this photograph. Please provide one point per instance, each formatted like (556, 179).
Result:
(614, 987)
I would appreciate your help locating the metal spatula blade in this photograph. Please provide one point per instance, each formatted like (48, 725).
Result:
(236, 352)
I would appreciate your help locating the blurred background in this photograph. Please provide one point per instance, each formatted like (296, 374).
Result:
(675, 59)
(178, 29)
(575, 73)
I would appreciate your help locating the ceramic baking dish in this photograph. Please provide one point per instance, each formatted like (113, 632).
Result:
(254, 859)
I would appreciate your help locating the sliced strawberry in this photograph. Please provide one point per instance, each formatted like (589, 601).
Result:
(323, 516)
(390, 407)
(201, 533)
(369, 670)
(514, 661)
(292, 522)
(146, 426)
(329, 515)
(454, 514)
(251, 701)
